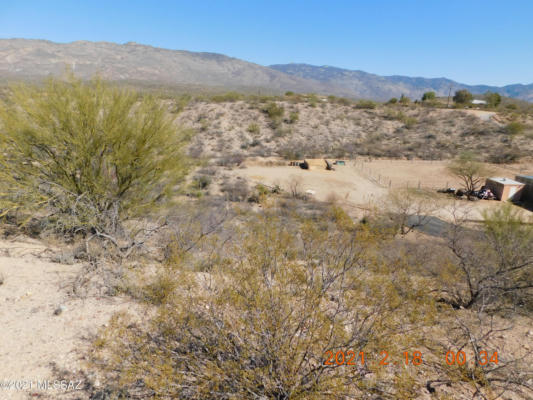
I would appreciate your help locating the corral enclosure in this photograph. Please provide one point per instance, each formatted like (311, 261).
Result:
(366, 182)
(429, 174)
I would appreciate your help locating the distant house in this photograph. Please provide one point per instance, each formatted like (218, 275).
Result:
(505, 188)
(527, 192)
(479, 102)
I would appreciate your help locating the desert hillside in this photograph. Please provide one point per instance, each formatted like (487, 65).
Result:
(311, 126)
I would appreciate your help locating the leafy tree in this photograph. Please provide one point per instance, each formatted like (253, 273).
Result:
(463, 96)
(493, 99)
(470, 170)
(428, 96)
(86, 155)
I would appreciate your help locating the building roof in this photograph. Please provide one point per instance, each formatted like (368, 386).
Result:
(506, 181)
(476, 101)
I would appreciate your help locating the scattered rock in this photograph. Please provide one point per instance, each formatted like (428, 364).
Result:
(60, 309)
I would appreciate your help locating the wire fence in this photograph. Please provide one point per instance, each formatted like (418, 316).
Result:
(373, 171)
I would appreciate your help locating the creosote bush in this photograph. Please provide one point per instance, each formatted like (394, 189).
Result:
(86, 155)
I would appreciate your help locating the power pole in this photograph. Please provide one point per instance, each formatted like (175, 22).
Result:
(449, 94)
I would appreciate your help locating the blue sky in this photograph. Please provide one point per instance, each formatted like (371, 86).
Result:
(471, 41)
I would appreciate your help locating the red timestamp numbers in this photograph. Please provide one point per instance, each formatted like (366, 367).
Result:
(342, 358)
(350, 357)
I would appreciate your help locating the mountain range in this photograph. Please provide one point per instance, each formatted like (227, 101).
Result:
(28, 59)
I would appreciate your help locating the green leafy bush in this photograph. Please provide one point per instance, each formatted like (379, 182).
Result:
(274, 111)
(514, 128)
(293, 117)
(229, 97)
(366, 104)
(86, 155)
(428, 96)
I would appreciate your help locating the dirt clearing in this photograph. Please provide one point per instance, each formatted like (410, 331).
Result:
(41, 323)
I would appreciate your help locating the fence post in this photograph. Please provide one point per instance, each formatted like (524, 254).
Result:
(418, 184)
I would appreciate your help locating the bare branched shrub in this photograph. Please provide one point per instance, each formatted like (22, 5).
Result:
(477, 364)
(410, 208)
(295, 187)
(231, 160)
(235, 190)
(492, 267)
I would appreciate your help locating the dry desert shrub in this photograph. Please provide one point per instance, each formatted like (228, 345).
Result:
(263, 322)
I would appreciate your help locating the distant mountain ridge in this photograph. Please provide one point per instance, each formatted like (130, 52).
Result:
(31, 59)
(28, 59)
(384, 87)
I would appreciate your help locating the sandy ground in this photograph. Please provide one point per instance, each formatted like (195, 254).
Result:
(362, 184)
(32, 337)
(430, 174)
(481, 114)
(345, 182)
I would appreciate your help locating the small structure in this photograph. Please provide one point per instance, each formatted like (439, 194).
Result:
(527, 191)
(505, 188)
(476, 101)
(314, 163)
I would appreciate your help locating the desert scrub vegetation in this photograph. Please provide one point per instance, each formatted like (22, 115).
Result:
(333, 125)
(283, 290)
(254, 129)
(493, 267)
(260, 323)
(366, 104)
(85, 156)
